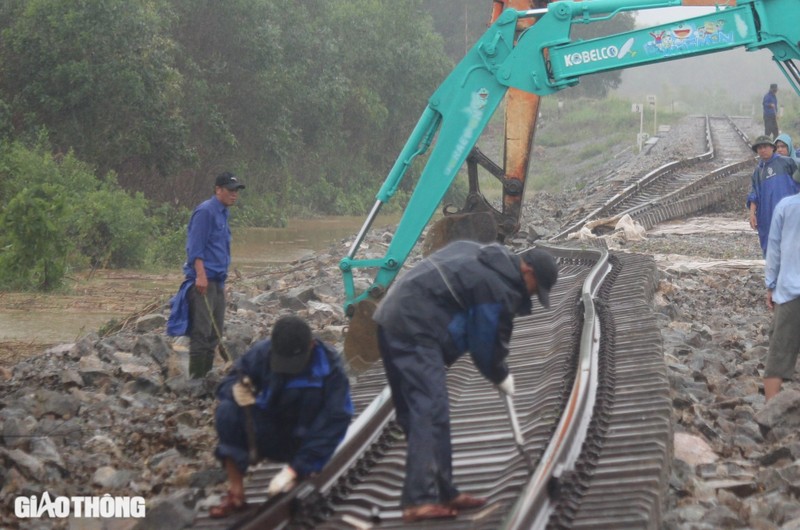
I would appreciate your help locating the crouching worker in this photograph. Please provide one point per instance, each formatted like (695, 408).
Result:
(287, 400)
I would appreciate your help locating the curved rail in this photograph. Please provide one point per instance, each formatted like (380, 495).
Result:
(361, 484)
(679, 179)
(534, 508)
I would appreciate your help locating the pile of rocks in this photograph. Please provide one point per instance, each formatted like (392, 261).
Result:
(119, 415)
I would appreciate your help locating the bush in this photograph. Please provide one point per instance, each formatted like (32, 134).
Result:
(34, 243)
(168, 245)
(111, 228)
(56, 213)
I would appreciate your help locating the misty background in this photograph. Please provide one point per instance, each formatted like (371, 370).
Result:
(729, 80)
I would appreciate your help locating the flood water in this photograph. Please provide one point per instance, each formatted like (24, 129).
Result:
(53, 318)
(255, 248)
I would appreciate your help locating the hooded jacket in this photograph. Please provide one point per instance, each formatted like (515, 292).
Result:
(462, 297)
(785, 138)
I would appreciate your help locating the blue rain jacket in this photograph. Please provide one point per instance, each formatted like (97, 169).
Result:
(298, 419)
(771, 181)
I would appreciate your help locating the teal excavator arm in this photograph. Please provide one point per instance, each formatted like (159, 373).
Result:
(544, 60)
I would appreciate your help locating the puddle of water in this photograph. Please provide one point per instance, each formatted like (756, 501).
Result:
(255, 248)
(50, 326)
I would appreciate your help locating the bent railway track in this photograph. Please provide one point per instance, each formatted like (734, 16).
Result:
(593, 396)
(682, 187)
(593, 407)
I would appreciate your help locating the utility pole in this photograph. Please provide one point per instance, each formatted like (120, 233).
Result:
(639, 107)
(651, 100)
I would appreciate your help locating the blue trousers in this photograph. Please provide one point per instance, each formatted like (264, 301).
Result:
(232, 432)
(417, 378)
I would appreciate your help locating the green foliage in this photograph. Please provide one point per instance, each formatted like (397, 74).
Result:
(168, 93)
(57, 214)
(100, 76)
(257, 210)
(33, 243)
(111, 229)
(575, 125)
(168, 245)
(580, 119)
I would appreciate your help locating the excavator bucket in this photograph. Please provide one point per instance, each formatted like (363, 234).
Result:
(361, 338)
(475, 226)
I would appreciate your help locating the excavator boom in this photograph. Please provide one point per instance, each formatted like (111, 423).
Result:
(540, 60)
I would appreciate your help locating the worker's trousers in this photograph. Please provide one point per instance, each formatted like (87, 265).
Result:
(417, 378)
(205, 327)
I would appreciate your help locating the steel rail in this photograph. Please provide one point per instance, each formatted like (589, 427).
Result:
(715, 151)
(534, 507)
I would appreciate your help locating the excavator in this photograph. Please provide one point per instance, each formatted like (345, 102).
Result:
(528, 52)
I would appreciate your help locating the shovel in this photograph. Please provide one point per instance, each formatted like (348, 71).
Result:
(512, 416)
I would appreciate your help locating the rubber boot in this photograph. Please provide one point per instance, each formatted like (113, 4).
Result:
(198, 366)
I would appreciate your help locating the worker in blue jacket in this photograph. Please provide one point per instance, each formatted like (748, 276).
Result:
(288, 400)
(198, 309)
(464, 297)
(772, 180)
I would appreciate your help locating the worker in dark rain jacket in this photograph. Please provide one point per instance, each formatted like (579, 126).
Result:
(461, 298)
(772, 180)
(288, 400)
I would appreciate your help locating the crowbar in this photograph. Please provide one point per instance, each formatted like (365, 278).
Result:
(518, 440)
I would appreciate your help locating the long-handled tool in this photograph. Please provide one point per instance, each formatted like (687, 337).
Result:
(244, 395)
(222, 351)
(518, 440)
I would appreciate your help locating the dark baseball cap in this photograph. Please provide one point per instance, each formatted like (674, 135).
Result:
(229, 181)
(291, 346)
(545, 269)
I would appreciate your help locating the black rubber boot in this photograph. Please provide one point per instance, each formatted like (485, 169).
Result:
(198, 366)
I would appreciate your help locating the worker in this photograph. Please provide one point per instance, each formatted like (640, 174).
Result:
(782, 276)
(198, 309)
(770, 107)
(772, 180)
(462, 297)
(287, 399)
(785, 147)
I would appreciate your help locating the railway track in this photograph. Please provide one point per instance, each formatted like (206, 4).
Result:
(593, 396)
(681, 187)
(584, 413)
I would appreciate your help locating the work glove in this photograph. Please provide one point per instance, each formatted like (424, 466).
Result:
(506, 386)
(243, 393)
(282, 482)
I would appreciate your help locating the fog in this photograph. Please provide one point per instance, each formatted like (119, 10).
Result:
(734, 78)
(736, 75)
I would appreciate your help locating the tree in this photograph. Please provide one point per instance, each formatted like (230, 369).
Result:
(100, 76)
